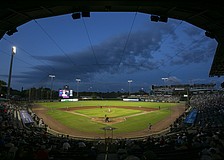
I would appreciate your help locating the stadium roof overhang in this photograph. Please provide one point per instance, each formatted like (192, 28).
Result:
(207, 15)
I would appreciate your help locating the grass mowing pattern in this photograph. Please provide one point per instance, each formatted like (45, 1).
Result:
(114, 112)
(106, 103)
(140, 122)
(77, 122)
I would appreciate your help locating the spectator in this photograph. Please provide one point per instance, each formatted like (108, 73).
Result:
(12, 152)
(81, 145)
(66, 146)
(131, 157)
(42, 153)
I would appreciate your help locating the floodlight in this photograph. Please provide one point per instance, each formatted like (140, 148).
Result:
(78, 80)
(154, 18)
(129, 86)
(76, 15)
(209, 34)
(51, 76)
(77, 85)
(11, 31)
(14, 50)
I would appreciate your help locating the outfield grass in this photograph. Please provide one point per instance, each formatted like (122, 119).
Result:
(85, 124)
(110, 112)
(106, 103)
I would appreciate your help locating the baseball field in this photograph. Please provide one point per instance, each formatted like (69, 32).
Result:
(93, 118)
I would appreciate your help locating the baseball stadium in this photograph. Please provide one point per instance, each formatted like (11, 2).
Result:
(178, 121)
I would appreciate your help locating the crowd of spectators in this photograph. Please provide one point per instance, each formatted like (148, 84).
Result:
(202, 140)
(164, 98)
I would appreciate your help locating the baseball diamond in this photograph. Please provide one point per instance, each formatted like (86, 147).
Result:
(80, 120)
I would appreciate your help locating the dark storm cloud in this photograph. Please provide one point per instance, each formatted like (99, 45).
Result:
(200, 49)
(196, 53)
(22, 76)
(115, 55)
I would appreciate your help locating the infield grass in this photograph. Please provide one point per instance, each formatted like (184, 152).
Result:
(110, 112)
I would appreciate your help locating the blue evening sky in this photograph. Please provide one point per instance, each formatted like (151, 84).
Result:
(105, 51)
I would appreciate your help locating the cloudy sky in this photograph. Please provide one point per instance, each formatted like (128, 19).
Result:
(105, 51)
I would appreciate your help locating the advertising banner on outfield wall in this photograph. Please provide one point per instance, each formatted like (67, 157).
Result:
(69, 100)
(131, 99)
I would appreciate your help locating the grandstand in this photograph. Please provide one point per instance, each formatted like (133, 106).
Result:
(182, 89)
(195, 134)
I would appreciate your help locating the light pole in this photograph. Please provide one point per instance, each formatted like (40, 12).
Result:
(52, 78)
(142, 90)
(10, 71)
(165, 80)
(78, 80)
(129, 86)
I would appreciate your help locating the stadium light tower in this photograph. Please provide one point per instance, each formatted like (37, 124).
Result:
(129, 86)
(10, 71)
(165, 80)
(78, 80)
(52, 78)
